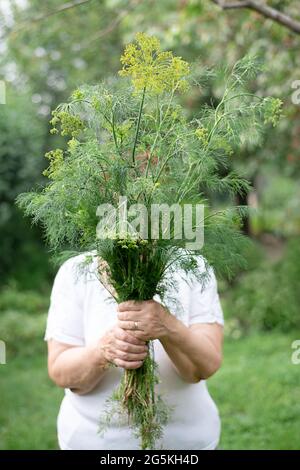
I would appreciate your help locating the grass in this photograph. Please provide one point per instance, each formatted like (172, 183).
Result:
(257, 392)
(29, 405)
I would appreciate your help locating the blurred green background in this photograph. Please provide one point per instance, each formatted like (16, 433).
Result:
(49, 48)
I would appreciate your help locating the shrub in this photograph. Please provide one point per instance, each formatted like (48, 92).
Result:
(22, 134)
(23, 333)
(29, 301)
(23, 321)
(269, 297)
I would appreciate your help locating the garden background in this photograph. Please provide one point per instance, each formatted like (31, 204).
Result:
(47, 49)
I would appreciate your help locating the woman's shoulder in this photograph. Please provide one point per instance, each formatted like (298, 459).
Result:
(79, 268)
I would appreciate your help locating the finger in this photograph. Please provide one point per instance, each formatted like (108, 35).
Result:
(142, 336)
(127, 337)
(128, 365)
(128, 316)
(129, 305)
(132, 348)
(130, 357)
(128, 325)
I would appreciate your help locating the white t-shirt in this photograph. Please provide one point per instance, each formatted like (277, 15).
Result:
(80, 312)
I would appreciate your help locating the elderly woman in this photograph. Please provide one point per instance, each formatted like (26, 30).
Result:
(87, 331)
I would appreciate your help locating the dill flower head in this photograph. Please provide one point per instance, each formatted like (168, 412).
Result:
(272, 110)
(55, 158)
(70, 124)
(151, 68)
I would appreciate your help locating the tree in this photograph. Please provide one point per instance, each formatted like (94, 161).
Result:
(21, 143)
(263, 9)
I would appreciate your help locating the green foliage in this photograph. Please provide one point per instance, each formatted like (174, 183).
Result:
(150, 153)
(22, 332)
(54, 54)
(23, 320)
(21, 142)
(278, 211)
(27, 301)
(273, 111)
(268, 297)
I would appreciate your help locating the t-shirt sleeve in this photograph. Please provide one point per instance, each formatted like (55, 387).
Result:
(204, 302)
(65, 315)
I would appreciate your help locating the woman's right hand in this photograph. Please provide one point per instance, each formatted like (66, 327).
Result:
(123, 349)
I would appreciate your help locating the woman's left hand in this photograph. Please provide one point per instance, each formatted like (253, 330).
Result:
(147, 320)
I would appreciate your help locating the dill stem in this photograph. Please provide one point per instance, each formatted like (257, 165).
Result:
(138, 125)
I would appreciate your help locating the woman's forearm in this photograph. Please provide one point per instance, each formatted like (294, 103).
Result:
(82, 368)
(193, 354)
(79, 368)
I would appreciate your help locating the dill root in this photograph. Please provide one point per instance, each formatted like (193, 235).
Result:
(138, 400)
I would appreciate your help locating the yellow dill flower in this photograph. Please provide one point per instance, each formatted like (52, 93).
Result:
(72, 144)
(70, 124)
(77, 95)
(55, 158)
(152, 68)
(202, 134)
(272, 110)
